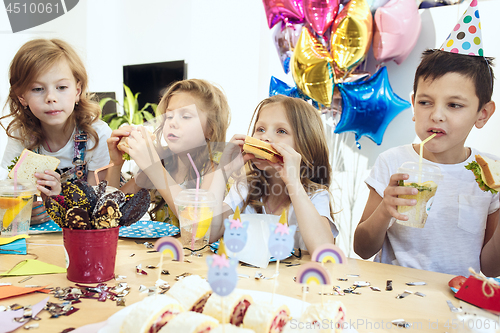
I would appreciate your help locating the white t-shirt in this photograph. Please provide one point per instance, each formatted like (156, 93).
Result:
(453, 235)
(95, 159)
(320, 200)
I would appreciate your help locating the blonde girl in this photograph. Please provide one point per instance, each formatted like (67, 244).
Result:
(299, 184)
(52, 114)
(195, 118)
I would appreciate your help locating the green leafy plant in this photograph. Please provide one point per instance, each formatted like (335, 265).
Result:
(132, 115)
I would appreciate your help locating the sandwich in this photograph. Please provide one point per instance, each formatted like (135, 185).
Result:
(124, 146)
(487, 172)
(261, 149)
(151, 314)
(29, 163)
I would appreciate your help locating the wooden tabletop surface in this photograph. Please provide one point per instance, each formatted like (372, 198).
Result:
(369, 311)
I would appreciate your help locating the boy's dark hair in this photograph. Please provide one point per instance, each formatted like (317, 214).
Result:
(437, 63)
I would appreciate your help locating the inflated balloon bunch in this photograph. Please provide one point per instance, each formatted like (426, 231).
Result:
(82, 207)
(322, 42)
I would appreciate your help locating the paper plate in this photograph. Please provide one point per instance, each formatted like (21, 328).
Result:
(46, 227)
(455, 289)
(215, 246)
(149, 229)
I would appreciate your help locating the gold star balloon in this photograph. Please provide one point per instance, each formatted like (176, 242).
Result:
(312, 68)
(351, 35)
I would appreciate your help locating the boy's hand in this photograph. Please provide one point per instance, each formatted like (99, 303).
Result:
(38, 213)
(391, 200)
(48, 183)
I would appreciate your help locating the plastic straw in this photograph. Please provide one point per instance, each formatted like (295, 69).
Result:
(421, 157)
(18, 164)
(195, 226)
(96, 172)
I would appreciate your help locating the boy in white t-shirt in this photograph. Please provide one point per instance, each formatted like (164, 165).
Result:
(452, 93)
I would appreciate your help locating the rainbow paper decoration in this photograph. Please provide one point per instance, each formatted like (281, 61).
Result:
(313, 272)
(329, 253)
(170, 245)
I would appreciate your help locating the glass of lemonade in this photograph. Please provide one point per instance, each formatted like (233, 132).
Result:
(16, 201)
(425, 178)
(195, 209)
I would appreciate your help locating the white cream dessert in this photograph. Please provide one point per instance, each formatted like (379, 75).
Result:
(329, 316)
(151, 314)
(192, 292)
(190, 322)
(264, 318)
(235, 307)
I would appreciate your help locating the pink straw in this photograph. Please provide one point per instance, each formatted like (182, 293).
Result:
(196, 198)
(18, 164)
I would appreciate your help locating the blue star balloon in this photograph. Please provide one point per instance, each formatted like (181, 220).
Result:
(369, 106)
(278, 87)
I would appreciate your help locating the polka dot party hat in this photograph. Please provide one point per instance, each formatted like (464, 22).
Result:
(466, 36)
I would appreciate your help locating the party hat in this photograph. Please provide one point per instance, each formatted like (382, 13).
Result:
(466, 36)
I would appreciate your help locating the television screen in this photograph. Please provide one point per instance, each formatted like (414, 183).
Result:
(152, 79)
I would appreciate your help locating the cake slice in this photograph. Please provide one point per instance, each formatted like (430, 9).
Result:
(228, 328)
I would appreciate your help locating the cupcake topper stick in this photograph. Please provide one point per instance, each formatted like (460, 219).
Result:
(312, 272)
(329, 253)
(222, 277)
(171, 246)
(281, 241)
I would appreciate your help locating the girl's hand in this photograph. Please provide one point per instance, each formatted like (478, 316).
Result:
(116, 155)
(142, 149)
(38, 213)
(48, 183)
(232, 157)
(391, 193)
(289, 170)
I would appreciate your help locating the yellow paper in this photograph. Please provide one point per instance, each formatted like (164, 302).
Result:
(33, 267)
(8, 240)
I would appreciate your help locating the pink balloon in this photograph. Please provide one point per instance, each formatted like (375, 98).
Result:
(286, 10)
(397, 27)
(320, 14)
(285, 37)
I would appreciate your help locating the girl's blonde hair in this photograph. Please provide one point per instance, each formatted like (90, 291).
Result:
(33, 59)
(310, 143)
(213, 103)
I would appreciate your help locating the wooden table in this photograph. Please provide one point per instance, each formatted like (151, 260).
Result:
(371, 311)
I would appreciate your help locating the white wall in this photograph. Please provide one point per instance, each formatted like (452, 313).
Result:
(228, 42)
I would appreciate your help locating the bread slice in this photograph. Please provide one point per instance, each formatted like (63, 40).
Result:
(29, 163)
(261, 149)
(490, 171)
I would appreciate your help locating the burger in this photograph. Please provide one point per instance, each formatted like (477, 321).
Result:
(261, 149)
